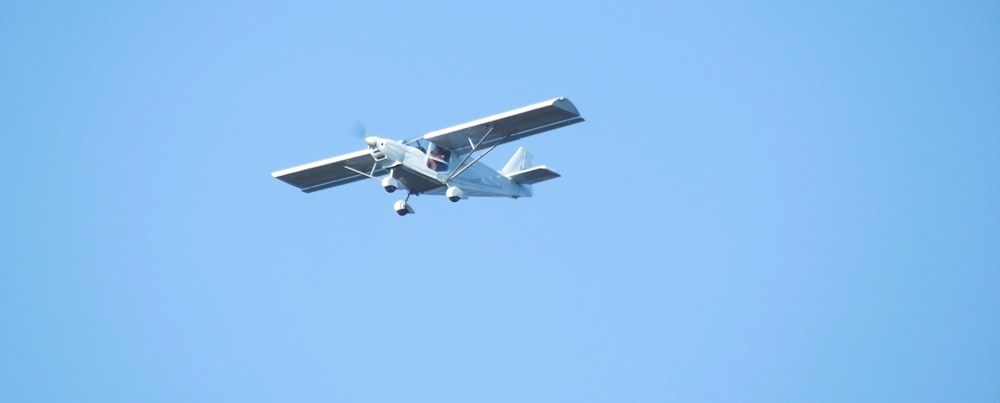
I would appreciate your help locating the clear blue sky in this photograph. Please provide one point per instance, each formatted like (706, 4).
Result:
(782, 202)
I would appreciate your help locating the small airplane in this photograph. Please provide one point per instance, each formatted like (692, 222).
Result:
(442, 162)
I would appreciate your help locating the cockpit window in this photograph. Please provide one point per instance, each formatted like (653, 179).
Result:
(437, 157)
(420, 144)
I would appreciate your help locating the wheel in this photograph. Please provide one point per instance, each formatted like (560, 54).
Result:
(454, 194)
(402, 208)
(390, 189)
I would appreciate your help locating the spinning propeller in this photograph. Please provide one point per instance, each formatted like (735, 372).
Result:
(361, 132)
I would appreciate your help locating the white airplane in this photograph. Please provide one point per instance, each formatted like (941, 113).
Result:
(442, 162)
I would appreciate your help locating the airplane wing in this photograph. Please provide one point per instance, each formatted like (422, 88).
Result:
(507, 126)
(330, 172)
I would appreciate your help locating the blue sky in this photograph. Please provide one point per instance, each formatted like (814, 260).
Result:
(768, 202)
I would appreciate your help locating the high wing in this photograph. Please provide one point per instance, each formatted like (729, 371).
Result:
(330, 172)
(508, 126)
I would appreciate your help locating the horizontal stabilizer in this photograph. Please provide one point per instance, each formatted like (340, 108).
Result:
(533, 175)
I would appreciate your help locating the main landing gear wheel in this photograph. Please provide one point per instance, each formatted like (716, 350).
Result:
(454, 194)
(390, 184)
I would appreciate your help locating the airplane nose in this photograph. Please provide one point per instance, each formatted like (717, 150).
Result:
(371, 141)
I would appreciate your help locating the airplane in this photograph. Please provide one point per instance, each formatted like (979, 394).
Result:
(445, 162)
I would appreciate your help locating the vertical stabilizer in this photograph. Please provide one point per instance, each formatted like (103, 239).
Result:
(519, 162)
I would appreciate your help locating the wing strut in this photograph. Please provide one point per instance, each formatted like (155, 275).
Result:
(370, 174)
(460, 171)
(474, 148)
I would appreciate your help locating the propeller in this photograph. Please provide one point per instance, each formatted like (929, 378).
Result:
(361, 132)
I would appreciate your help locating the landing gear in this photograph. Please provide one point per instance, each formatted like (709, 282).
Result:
(402, 207)
(455, 194)
(390, 183)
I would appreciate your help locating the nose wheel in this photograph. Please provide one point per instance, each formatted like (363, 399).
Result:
(403, 207)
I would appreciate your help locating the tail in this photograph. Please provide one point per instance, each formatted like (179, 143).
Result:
(519, 162)
(520, 170)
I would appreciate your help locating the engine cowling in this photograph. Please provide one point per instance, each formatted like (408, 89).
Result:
(455, 194)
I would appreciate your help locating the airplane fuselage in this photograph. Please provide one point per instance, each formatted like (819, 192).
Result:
(415, 170)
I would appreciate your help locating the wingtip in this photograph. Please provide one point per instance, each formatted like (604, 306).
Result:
(566, 105)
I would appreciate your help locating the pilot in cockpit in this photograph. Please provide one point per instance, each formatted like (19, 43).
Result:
(437, 159)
